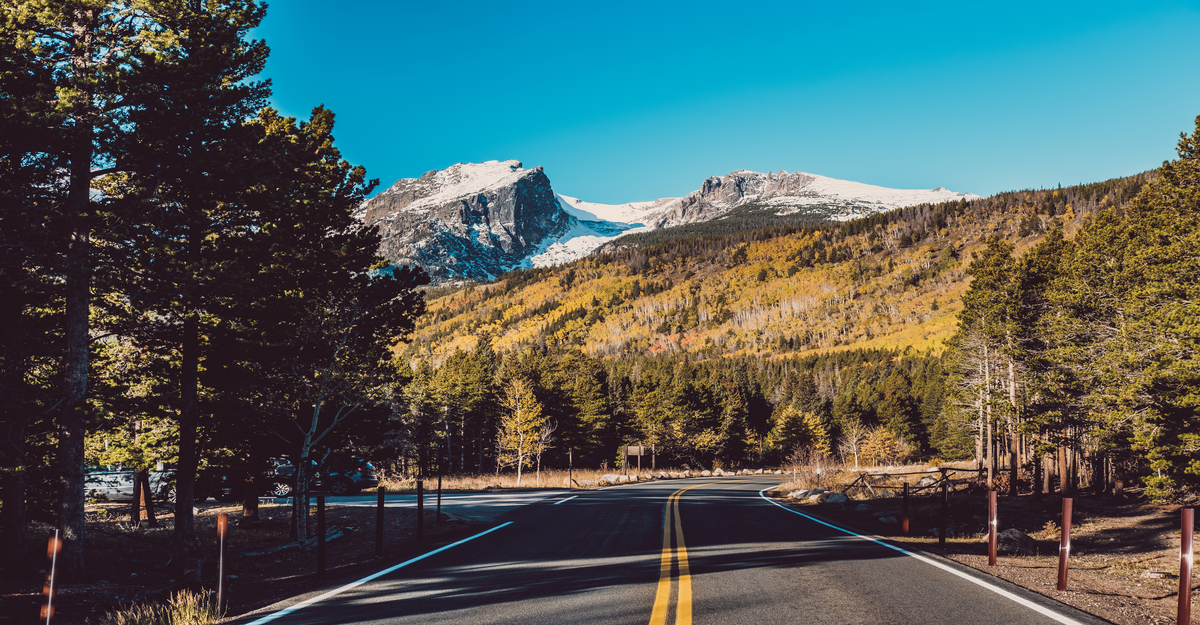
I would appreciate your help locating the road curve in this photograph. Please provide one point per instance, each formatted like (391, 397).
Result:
(677, 552)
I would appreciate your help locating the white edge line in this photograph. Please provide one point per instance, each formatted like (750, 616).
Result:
(996, 589)
(288, 610)
(562, 500)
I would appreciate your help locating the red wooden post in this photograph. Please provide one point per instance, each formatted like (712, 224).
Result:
(222, 531)
(904, 520)
(991, 528)
(1064, 544)
(52, 550)
(1185, 567)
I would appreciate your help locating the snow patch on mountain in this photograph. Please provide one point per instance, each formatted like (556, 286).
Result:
(823, 190)
(628, 213)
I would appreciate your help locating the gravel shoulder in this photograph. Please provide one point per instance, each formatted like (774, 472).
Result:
(1124, 563)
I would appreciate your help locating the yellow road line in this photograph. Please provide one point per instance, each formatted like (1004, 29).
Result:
(662, 598)
(683, 608)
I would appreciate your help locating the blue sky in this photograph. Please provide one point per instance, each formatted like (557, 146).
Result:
(627, 101)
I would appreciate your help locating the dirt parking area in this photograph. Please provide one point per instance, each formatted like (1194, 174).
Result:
(132, 564)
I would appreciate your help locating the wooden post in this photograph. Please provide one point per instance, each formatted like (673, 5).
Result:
(52, 551)
(320, 536)
(379, 523)
(420, 509)
(1064, 544)
(570, 468)
(222, 532)
(991, 528)
(904, 519)
(945, 516)
(1185, 566)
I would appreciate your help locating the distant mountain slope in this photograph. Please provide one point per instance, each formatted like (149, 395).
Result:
(479, 220)
(892, 280)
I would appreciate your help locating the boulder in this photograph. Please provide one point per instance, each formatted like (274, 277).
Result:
(818, 490)
(888, 520)
(706, 473)
(818, 497)
(662, 475)
(862, 507)
(798, 494)
(608, 479)
(758, 472)
(718, 472)
(837, 498)
(928, 480)
(778, 472)
(1014, 542)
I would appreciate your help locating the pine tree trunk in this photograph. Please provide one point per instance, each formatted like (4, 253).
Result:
(135, 503)
(12, 479)
(991, 439)
(71, 426)
(148, 501)
(186, 543)
(1013, 462)
(77, 298)
(1064, 473)
(250, 492)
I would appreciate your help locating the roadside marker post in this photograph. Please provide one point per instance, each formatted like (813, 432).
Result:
(1185, 566)
(945, 516)
(222, 532)
(1064, 544)
(52, 550)
(904, 520)
(379, 523)
(420, 509)
(320, 536)
(991, 528)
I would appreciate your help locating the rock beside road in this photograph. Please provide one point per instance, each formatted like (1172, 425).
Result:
(1013, 542)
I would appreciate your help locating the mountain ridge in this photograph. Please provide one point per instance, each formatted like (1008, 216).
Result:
(479, 220)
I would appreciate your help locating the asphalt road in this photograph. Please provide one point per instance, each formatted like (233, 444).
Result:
(679, 551)
(479, 506)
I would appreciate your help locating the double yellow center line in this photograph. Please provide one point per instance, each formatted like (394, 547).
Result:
(662, 599)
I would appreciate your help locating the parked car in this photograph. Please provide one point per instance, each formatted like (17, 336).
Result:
(339, 475)
(115, 483)
(345, 475)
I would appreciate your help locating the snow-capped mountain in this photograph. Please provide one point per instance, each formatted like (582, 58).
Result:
(781, 193)
(478, 220)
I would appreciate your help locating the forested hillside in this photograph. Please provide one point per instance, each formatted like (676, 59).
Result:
(734, 348)
(1080, 355)
(893, 280)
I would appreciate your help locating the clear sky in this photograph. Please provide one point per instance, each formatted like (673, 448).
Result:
(626, 101)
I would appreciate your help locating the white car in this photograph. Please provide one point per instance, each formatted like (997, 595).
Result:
(115, 483)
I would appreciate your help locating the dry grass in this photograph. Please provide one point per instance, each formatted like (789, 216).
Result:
(549, 478)
(184, 608)
(837, 477)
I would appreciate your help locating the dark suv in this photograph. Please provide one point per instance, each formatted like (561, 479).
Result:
(345, 475)
(339, 474)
